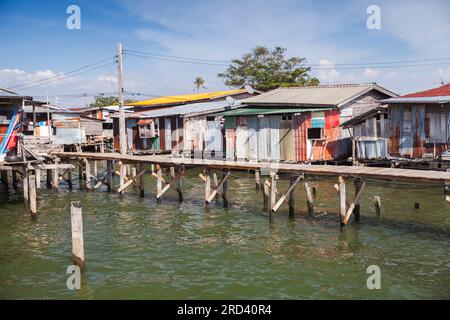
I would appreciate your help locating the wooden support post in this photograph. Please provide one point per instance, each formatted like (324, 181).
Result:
(76, 215)
(49, 178)
(207, 187)
(95, 168)
(55, 179)
(141, 181)
(158, 185)
(342, 204)
(352, 206)
(38, 178)
(266, 195)
(180, 173)
(309, 198)
(131, 181)
(32, 195)
(356, 211)
(377, 204)
(225, 188)
(133, 174)
(216, 185)
(25, 186)
(172, 172)
(80, 171)
(14, 179)
(122, 173)
(109, 171)
(257, 180)
(447, 198)
(4, 174)
(272, 199)
(87, 167)
(283, 197)
(292, 197)
(69, 179)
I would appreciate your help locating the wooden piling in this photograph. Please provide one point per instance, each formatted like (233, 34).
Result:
(38, 178)
(141, 180)
(25, 186)
(309, 197)
(32, 195)
(207, 187)
(133, 174)
(342, 203)
(109, 172)
(292, 197)
(266, 195)
(87, 170)
(257, 180)
(273, 194)
(4, 175)
(69, 179)
(225, 188)
(159, 182)
(356, 210)
(55, 176)
(77, 234)
(48, 178)
(180, 173)
(216, 184)
(377, 204)
(122, 174)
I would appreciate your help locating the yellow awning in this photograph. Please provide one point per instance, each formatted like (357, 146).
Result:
(183, 98)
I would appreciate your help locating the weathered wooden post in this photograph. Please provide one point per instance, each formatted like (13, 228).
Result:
(95, 168)
(55, 177)
(122, 174)
(25, 186)
(180, 173)
(76, 215)
(49, 178)
(257, 180)
(87, 167)
(38, 178)
(356, 210)
(32, 195)
(309, 198)
(80, 170)
(172, 172)
(266, 195)
(342, 203)
(216, 184)
(69, 179)
(207, 187)
(292, 198)
(159, 179)
(4, 175)
(225, 188)
(109, 170)
(377, 204)
(133, 174)
(273, 194)
(141, 181)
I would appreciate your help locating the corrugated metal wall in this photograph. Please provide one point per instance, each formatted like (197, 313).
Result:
(252, 124)
(241, 138)
(167, 134)
(287, 149)
(275, 150)
(300, 124)
(213, 136)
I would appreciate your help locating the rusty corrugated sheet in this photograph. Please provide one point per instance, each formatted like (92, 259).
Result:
(287, 150)
(300, 126)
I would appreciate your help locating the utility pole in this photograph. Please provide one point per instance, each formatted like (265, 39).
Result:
(122, 132)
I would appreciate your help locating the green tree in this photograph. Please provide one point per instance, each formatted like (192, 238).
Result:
(104, 101)
(266, 69)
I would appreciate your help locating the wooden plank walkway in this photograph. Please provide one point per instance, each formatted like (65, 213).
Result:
(419, 176)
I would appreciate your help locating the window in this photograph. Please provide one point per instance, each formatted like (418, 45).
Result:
(315, 134)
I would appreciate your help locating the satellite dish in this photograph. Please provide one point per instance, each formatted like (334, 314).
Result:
(249, 89)
(230, 100)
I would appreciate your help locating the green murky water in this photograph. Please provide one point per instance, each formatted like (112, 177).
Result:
(137, 249)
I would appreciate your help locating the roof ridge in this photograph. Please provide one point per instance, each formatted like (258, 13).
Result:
(343, 85)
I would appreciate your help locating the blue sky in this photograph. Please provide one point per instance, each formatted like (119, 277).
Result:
(37, 44)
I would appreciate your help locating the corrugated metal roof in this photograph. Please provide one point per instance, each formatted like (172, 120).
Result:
(267, 111)
(436, 99)
(363, 116)
(191, 109)
(440, 91)
(183, 98)
(334, 95)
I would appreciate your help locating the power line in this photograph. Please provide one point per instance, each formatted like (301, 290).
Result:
(175, 57)
(177, 60)
(63, 74)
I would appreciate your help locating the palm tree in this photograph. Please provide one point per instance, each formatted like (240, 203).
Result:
(199, 83)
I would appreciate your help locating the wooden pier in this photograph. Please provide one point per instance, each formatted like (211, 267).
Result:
(132, 168)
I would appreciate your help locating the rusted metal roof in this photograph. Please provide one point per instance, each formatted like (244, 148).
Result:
(330, 95)
(435, 92)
